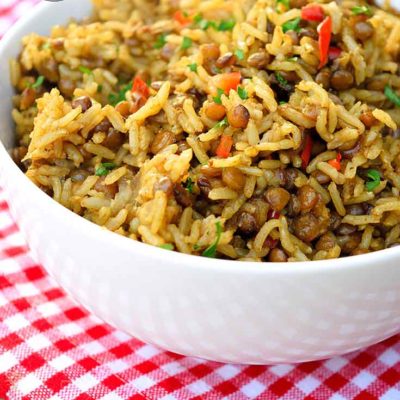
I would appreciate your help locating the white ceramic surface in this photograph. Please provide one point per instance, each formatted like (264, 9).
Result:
(221, 310)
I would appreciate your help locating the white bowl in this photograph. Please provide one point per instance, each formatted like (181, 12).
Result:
(227, 311)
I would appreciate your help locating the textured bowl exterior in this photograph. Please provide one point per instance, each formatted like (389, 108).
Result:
(220, 310)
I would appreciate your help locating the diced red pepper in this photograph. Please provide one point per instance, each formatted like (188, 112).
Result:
(271, 243)
(306, 153)
(335, 163)
(182, 18)
(325, 32)
(334, 53)
(227, 81)
(312, 13)
(225, 146)
(140, 88)
(272, 214)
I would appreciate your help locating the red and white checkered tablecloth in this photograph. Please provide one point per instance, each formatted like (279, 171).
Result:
(52, 348)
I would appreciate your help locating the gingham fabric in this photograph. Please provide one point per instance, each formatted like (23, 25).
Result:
(52, 348)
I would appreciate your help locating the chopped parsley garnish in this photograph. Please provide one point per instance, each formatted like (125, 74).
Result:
(282, 102)
(226, 25)
(374, 180)
(46, 46)
(281, 79)
(189, 185)
(85, 70)
(160, 41)
(193, 67)
(99, 88)
(392, 95)
(292, 59)
(211, 250)
(115, 98)
(197, 18)
(222, 123)
(292, 25)
(186, 43)
(166, 246)
(217, 98)
(104, 168)
(359, 10)
(39, 82)
(285, 3)
(242, 93)
(239, 54)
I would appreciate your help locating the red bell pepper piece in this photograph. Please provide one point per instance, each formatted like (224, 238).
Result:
(225, 146)
(312, 13)
(306, 153)
(334, 53)
(140, 88)
(272, 214)
(325, 32)
(182, 18)
(227, 81)
(335, 163)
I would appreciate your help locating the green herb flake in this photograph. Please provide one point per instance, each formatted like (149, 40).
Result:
(217, 98)
(39, 82)
(281, 79)
(186, 43)
(226, 25)
(282, 102)
(115, 98)
(392, 95)
(104, 168)
(361, 10)
(292, 59)
(45, 46)
(285, 3)
(193, 67)
(85, 70)
(374, 177)
(197, 18)
(292, 25)
(166, 246)
(242, 93)
(99, 88)
(160, 41)
(212, 249)
(222, 123)
(239, 54)
(189, 185)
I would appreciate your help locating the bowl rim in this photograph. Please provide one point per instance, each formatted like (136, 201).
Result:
(185, 260)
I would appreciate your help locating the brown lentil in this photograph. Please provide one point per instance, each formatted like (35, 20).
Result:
(345, 229)
(306, 227)
(114, 139)
(49, 69)
(225, 60)
(84, 102)
(277, 255)
(326, 242)
(321, 177)
(368, 119)
(363, 30)
(259, 60)
(233, 178)
(323, 78)
(342, 80)
(182, 196)
(308, 198)
(124, 108)
(238, 117)
(277, 198)
(215, 111)
(204, 185)
(247, 224)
